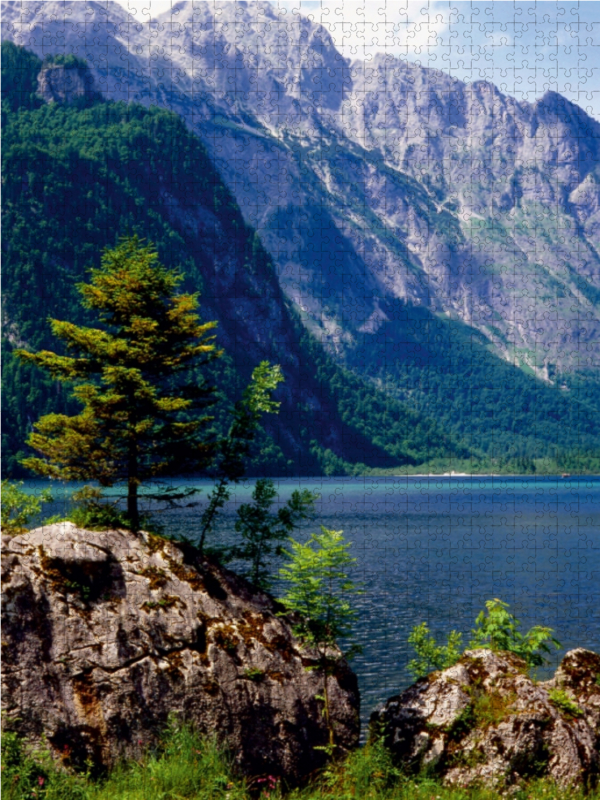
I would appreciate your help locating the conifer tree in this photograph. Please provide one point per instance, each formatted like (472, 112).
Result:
(136, 377)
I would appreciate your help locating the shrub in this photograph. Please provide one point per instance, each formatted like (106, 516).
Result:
(564, 703)
(18, 507)
(499, 630)
(430, 655)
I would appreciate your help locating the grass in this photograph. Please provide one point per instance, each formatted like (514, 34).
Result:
(191, 767)
(565, 704)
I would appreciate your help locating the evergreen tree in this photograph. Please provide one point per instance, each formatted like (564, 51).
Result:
(136, 376)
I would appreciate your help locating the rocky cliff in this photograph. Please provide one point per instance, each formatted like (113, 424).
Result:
(66, 83)
(484, 720)
(371, 182)
(106, 633)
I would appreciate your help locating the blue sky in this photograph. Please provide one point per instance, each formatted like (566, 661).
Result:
(525, 48)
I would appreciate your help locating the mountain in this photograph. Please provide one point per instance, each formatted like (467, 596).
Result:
(81, 172)
(440, 239)
(447, 195)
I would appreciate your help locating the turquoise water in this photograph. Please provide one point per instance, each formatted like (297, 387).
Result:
(434, 549)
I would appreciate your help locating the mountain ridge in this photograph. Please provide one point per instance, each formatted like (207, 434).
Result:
(206, 60)
(80, 174)
(435, 205)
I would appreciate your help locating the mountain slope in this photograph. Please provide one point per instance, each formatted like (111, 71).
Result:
(447, 195)
(382, 186)
(79, 176)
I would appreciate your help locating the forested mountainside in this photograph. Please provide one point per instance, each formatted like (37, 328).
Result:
(77, 176)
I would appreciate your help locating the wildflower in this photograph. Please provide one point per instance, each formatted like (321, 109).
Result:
(40, 780)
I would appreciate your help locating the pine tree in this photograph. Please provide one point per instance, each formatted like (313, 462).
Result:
(136, 376)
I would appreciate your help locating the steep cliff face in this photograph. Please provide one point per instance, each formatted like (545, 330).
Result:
(107, 633)
(64, 83)
(371, 182)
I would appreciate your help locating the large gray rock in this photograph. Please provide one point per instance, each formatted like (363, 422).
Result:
(58, 83)
(105, 633)
(485, 720)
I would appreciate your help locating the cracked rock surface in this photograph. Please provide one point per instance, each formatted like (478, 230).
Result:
(484, 720)
(105, 633)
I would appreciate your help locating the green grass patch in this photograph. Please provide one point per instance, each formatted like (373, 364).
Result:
(188, 766)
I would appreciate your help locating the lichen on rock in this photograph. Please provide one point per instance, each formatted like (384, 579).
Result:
(106, 633)
(485, 721)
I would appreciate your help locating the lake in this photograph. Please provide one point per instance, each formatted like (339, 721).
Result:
(436, 548)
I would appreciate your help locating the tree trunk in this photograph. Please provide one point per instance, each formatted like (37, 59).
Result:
(132, 489)
(327, 715)
(132, 504)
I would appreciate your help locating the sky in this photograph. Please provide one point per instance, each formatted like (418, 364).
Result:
(525, 48)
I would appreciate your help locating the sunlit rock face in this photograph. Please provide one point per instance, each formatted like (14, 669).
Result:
(107, 633)
(484, 720)
(58, 83)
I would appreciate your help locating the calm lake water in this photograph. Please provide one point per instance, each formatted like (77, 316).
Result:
(435, 549)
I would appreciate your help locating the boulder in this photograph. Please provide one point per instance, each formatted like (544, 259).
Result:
(105, 633)
(485, 720)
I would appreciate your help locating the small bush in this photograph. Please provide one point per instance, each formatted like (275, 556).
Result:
(32, 773)
(430, 655)
(499, 630)
(18, 507)
(93, 512)
(564, 703)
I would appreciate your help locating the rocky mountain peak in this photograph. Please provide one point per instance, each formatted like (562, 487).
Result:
(455, 181)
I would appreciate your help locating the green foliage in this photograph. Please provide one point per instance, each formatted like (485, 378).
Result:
(76, 185)
(263, 532)
(18, 507)
(234, 448)
(31, 773)
(254, 674)
(498, 629)
(430, 655)
(564, 703)
(20, 69)
(193, 767)
(382, 431)
(132, 377)
(318, 588)
(447, 372)
(67, 60)
(93, 512)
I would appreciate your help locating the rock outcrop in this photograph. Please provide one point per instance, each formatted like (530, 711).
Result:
(485, 720)
(63, 83)
(105, 633)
